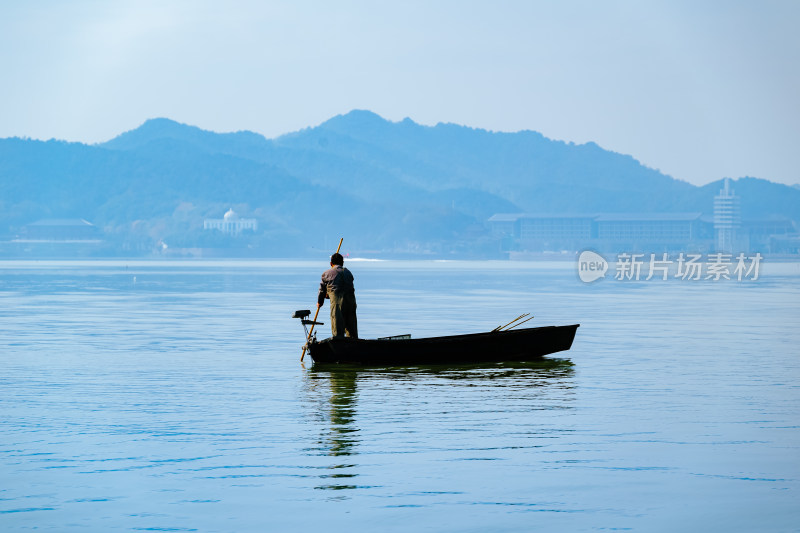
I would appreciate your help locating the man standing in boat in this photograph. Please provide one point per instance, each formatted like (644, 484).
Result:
(337, 286)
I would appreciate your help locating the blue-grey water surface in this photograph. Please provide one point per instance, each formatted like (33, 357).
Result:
(148, 396)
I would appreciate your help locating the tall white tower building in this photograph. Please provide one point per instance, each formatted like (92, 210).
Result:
(727, 218)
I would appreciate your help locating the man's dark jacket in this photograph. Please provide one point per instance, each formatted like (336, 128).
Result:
(338, 279)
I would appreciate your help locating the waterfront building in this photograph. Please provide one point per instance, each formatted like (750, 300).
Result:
(60, 230)
(766, 235)
(230, 223)
(505, 224)
(652, 232)
(724, 232)
(556, 232)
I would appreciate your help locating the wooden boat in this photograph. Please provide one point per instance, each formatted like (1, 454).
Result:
(526, 344)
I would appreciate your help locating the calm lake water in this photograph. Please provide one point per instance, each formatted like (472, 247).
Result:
(170, 397)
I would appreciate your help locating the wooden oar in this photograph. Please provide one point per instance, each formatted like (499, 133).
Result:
(498, 328)
(518, 324)
(317, 313)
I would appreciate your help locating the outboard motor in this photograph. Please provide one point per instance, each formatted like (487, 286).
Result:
(303, 316)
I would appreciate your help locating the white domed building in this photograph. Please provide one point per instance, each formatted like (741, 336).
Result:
(230, 223)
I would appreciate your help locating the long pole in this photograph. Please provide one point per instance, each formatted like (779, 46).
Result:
(520, 317)
(317, 313)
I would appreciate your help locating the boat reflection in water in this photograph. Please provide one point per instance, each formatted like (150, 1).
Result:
(453, 410)
(334, 403)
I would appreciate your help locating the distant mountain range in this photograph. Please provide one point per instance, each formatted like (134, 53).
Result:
(391, 187)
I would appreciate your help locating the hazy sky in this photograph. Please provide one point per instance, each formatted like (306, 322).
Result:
(699, 90)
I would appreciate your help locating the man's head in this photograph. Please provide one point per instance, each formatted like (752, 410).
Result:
(337, 259)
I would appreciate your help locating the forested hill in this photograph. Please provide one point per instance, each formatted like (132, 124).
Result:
(387, 185)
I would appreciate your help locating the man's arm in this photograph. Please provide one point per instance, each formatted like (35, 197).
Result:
(323, 293)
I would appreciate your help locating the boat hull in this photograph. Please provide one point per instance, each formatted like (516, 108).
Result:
(527, 344)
